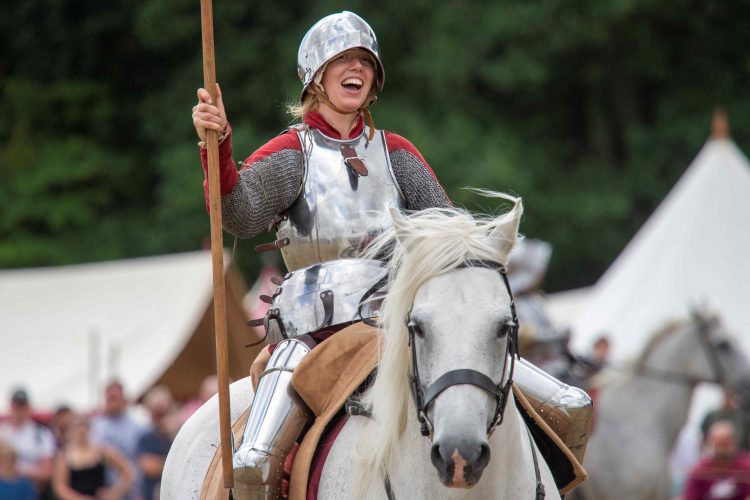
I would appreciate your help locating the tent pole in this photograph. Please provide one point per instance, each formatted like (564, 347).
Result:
(217, 250)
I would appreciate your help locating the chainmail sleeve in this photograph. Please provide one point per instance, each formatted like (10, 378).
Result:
(419, 185)
(266, 188)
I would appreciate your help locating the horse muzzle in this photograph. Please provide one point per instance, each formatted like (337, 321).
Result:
(460, 465)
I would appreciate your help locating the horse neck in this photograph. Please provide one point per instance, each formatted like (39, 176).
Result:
(511, 447)
(658, 380)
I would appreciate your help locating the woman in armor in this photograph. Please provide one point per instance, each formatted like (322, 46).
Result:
(325, 186)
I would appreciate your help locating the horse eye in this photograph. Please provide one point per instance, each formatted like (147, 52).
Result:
(504, 330)
(417, 329)
(723, 346)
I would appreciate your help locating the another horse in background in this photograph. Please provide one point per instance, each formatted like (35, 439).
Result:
(639, 413)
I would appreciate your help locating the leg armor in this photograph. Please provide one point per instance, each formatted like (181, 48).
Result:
(277, 418)
(566, 409)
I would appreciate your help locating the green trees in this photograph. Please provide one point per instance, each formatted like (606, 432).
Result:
(589, 110)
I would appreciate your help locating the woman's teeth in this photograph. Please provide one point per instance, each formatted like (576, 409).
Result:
(355, 83)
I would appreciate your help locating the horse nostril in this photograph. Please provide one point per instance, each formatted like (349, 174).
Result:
(440, 461)
(484, 456)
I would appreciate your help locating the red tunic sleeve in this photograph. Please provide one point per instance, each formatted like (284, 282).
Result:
(228, 174)
(395, 142)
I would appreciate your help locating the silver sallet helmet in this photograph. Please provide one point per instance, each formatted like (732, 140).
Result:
(331, 36)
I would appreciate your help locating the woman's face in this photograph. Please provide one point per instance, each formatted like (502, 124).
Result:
(348, 79)
(78, 432)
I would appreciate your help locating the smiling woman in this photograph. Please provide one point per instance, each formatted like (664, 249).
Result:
(325, 186)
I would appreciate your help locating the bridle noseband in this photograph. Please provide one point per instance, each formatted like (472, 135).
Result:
(462, 376)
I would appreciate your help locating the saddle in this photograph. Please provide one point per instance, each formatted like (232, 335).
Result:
(331, 373)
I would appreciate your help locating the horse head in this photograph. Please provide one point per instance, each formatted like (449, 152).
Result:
(453, 354)
(697, 349)
(445, 342)
(723, 361)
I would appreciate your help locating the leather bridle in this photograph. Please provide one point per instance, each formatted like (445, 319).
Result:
(423, 399)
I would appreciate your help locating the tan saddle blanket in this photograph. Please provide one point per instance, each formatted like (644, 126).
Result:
(331, 373)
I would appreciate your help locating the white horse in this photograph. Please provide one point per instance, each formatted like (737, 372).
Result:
(444, 277)
(638, 414)
(460, 317)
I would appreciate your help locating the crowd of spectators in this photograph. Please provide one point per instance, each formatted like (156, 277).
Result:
(116, 453)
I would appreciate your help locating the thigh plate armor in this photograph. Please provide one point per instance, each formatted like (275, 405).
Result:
(327, 294)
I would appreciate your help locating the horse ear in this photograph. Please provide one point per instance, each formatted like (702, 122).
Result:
(504, 235)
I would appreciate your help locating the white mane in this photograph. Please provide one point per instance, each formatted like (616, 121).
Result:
(421, 246)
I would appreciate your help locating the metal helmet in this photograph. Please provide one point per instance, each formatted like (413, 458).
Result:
(331, 36)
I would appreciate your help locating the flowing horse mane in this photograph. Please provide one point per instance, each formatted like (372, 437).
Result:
(420, 246)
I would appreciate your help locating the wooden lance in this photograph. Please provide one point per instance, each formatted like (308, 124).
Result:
(217, 249)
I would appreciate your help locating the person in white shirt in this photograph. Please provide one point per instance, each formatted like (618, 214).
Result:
(34, 443)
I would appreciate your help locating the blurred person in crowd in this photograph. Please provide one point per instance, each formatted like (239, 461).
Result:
(59, 424)
(600, 352)
(208, 388)
(12, 485)
(725, 472)
(116, 427)
(34, 443)
(730, 409)
(80, 467)
(155, 442)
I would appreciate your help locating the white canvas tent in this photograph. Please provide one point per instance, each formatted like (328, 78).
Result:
(66, 330)
(691, 251)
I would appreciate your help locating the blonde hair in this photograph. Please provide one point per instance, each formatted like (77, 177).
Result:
(309, 103)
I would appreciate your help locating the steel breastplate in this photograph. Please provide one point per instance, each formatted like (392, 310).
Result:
(338, 211)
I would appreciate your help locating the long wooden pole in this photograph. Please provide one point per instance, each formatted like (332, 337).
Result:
(217, 249)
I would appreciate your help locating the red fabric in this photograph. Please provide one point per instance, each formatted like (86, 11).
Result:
(229, 176)
(713, 479)
(394, 142)
(318, 336)
(287, 140)
(321, 454)
(316, 120)
(228, 173)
